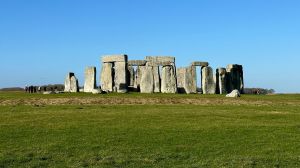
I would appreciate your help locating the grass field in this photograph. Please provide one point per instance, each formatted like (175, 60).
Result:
(144, 130)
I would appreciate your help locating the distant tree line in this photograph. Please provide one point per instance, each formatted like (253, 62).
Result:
(258, 91)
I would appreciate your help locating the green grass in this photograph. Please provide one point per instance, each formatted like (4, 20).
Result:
(150, 135)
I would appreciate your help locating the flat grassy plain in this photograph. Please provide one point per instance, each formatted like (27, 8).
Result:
(149, 130)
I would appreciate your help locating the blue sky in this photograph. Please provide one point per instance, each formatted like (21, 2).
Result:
(42, 40)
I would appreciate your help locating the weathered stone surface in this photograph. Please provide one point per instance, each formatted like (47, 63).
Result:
(138, 76)
(114, 58)
(168, 80)
(156, 78)
(130, 76)
(160, 60)
(48, 92)
(96, 91)
(165, 63)
(235, 93)
(186, 80)
(147, 80)
(221, 81)
(137, 62)
(107, 77)
(90, 79)
(208, 81)
(120, 77)
(235, 78)
(199, 63)
(68, 81)
(74, 87)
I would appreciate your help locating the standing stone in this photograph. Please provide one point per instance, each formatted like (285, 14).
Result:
(235, 79)
(68, 82)
(74, 88)
(90, 79)
(221, 81)
(147, 80)
(168, 80)
(138, 77)
(131, 76)
(106, 77)
(120, 78)
(156, 78)
(208, 81)
(186, 80)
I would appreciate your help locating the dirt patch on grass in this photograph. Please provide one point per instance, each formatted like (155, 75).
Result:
(129, 101)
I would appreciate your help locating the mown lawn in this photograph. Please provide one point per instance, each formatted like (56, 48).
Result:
(180, 135)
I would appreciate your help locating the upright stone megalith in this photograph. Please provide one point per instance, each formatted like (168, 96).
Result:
(221, 81)
(235, 78)
(90, 79)
(147, 80)
(71, 83)
(114, 73)
(208, 81)
(106, 77)
(186, 80)
(131, 76)
(168, 80)
(167, 63)
(74, 87)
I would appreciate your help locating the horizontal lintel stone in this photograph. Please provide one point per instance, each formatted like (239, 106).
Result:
(159, 59)
(200, 63)
(137, 62)
(114, 58)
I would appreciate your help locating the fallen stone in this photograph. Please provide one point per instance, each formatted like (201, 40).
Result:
(48, 92)
(235, 93)
(96, 91)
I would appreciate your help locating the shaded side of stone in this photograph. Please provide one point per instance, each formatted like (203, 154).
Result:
(137, 62)
(221, 81)
(235, 79)
(200, 63)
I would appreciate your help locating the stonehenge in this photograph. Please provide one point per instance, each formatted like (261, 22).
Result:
(157, 74)
(114, 73)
